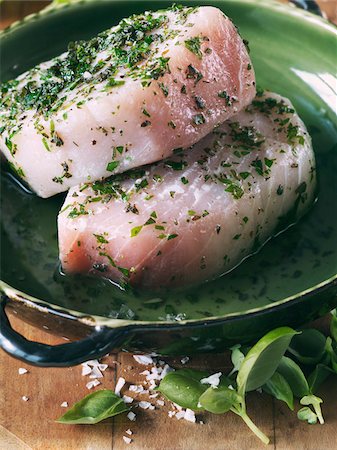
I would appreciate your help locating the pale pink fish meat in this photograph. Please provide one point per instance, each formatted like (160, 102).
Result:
(128, 97)
(199, 213)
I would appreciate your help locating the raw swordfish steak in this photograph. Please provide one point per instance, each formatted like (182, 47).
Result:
(197, 214)
(128, 97)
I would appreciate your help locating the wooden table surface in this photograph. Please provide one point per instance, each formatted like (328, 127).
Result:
(31, 424)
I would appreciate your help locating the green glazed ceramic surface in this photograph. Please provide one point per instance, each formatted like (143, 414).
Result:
(294, 54)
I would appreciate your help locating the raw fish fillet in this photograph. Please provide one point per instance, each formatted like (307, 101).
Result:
(197, 214)
(128, 97)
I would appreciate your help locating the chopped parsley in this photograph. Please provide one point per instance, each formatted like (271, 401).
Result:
(193, 45)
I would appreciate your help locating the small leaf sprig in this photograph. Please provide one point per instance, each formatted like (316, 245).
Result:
(269, 365)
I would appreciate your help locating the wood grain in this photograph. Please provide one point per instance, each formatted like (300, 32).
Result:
(31, 424)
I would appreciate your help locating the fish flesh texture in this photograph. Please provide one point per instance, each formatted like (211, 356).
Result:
(128, 97)
(197, 214)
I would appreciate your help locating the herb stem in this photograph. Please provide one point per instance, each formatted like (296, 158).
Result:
(250, 424)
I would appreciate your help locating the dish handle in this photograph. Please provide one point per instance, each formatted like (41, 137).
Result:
(96, 345)
(308, 5)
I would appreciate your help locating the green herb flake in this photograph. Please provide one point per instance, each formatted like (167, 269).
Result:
(112, 166)
(136, 230)
(193, 45)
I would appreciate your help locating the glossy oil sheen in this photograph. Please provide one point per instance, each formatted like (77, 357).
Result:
(292, 64)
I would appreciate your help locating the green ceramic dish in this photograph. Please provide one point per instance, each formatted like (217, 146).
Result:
(291, 280)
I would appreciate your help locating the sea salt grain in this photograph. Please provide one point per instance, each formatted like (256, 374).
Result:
(119, 385)
(127, 399)
(131, 416)
(129, 432)
(213, 380)
(136, 389)
(22, 371)
(127, 440)
(92, 384)
(160, 402)
(189, 415)
(143, 359)
(24, 398)
(85, 369)
(184, 360)
(64, 405)
(180, 415)
(146, 405)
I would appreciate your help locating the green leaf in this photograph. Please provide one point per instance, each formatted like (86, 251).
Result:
(237, 358)
(263, 358)
(278, 387)
(331, 349)
(318, 376)
(333, 324)
(219, 400)
(308, 347)
(308, 415)
(316, 403)
(294, 377)
(94, 408)
(183, 387)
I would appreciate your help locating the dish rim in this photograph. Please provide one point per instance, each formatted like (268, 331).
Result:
(93, 320)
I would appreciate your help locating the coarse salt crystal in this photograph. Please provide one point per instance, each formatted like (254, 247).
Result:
(213, 380)
(180, 415)
(22, 371)
(92, 362)
(102, 367)
(96, 373)
(189, 415)
(167, 369)
(178, 407)
(25, 398)
(143, 359)
(160, 402)
(119, 385)
(153, 395)
(131, 416)
(85, 369)
(145, 372)
(92, 384)
(64, 405)
(127, 399)
(127, 440)
(129, 432)
(171, 413)
(145, 405)
(201, 422)
(184, 360)
(135, 388)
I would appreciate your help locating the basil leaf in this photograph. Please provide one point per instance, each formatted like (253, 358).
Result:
(237, 358)
(94, 407)
(333, 324)
(262, 360)
(219, 400)
(294, 376)
(331, 349)
(308, 347)
(316, 403)
(278, 387)
(299, 385)
(318, 376)
(183, 387)
(307, 414)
